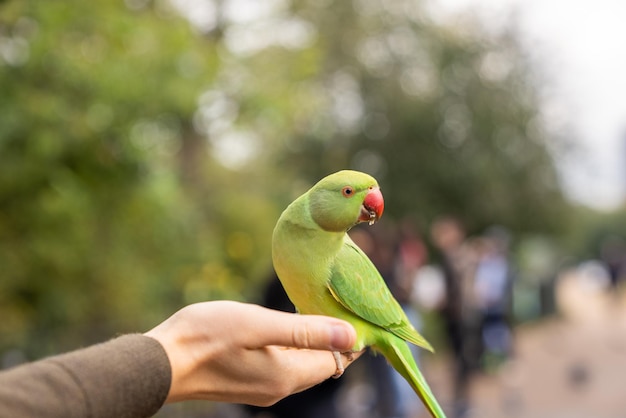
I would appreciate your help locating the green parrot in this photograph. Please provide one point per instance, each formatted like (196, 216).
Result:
(325, 273)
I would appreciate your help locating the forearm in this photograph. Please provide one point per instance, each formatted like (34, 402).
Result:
(125, 377)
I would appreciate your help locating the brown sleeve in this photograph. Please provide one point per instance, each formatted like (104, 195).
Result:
(126, 377)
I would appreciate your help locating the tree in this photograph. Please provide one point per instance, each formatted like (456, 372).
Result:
(95, 225)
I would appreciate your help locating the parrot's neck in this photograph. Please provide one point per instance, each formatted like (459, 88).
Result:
(303, 255)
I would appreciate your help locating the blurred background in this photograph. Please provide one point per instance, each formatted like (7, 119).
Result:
(147, 148)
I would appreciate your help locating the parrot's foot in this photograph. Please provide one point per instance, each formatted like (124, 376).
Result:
(339, 363)
(340, 369)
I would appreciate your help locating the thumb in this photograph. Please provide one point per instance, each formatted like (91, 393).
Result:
(318, 332)
(306, 331)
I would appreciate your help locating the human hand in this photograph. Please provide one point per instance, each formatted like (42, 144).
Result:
(236, 352)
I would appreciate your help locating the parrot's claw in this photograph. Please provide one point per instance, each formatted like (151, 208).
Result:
(339, 363)
(340, 369)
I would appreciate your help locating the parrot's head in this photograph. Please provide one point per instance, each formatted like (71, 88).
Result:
(343, 199)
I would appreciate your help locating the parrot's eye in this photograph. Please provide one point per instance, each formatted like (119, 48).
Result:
(347, 191)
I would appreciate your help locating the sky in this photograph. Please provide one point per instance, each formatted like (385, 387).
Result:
(580, 46)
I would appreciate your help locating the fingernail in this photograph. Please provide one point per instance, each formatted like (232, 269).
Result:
(340, 338)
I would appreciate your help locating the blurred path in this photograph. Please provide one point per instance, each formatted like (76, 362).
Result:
(570, 366)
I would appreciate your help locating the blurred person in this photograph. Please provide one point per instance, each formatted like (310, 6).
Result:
(219, 351)
(492, 294)
(457, 311)
(410, 256)
(613, 255)
(320, 401)
(397, 257)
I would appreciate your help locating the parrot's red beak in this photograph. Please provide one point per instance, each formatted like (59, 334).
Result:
(373, 206)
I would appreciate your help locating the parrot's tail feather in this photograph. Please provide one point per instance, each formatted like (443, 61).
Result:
(399, 355)
(413, 337)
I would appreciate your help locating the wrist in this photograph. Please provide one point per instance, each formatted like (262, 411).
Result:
(180, 360)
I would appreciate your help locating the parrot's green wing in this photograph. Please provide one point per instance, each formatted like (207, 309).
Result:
(357, 285)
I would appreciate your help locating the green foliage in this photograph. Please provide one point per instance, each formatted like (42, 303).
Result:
(99, 232)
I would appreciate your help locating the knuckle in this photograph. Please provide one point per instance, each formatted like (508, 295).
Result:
(302, 336)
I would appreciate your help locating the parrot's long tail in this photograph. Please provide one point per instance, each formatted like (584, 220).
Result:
(399, 355)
